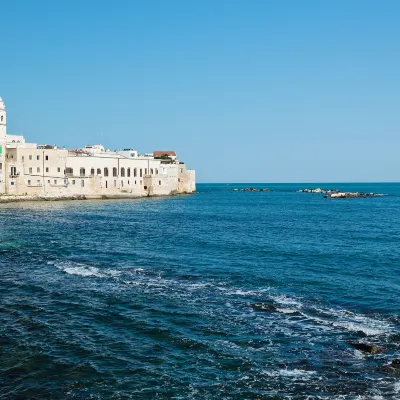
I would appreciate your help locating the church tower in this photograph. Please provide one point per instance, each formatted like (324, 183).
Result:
(3, 132)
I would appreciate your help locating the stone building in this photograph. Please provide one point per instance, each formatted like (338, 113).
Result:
(93, 172)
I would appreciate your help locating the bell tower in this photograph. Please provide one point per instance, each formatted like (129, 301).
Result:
(3, 133)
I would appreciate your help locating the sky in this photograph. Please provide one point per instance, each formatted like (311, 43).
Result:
(244, 91)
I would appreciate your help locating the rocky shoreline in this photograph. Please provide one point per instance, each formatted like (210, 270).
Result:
(4, 199)
(365, 347)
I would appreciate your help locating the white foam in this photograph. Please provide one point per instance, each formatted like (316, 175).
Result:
(80, 269)
(285, 300)
(287, 310)
(291, 373)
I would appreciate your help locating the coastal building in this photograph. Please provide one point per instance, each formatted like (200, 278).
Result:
(91, 171)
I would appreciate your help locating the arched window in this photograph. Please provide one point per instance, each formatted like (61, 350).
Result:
(92, 172)
(151, 171)
(105, 171)
(123, 172)
(156, 171)
(82, 171)
(98, 171)
(128, 172)
(115, 172)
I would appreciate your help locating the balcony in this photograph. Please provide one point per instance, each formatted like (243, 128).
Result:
(14, 175)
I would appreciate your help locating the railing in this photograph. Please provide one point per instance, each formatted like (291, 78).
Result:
(14, 175)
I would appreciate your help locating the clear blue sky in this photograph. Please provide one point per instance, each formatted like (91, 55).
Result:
(256, 91)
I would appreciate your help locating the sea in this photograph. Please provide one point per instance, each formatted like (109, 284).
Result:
(222, 294)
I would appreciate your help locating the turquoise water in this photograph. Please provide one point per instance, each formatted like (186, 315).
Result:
(154, 298)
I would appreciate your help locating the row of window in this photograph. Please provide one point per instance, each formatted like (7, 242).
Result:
(123, 172)
(39, 183)
(73, 182)
(38, 170)
(31, 157)
(82, 171)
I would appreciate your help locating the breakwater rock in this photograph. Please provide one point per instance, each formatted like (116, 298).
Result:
(350, 195)
(250, 189)
(319, 190)
(337, 194)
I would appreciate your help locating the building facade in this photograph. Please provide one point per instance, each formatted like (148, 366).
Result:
(93, 172)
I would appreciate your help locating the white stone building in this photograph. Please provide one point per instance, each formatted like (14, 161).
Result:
(93, 172)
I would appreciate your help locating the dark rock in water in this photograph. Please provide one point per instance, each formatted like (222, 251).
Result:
(264, 307)
(395, 363)
(190, 276)
(367, 347)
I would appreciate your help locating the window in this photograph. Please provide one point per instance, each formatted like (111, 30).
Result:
(159, 182)
(47, 158)
(2, 118)
(92, 172)
(98, 171)
(48, 181)
(29, 183)
(30, 156)
(151, 171)
(122, 183)
(115, 183)
(141, 172)
(38, 183)
(58, 169)
(156, 171)
(106, 184)
(82, 172)
(128, 172)
(30, 170)
(145, 188)
(38, 169)
(115, 172)
(128, 183)
(82, 183)
(105, 171)
(73, 181)
(145, 171)
(38, 158)
(69, 171)
(135, 172)
(135, 182)
(55, 181)
(12, 183)
(23, 158)
(123, 172)
(47, 169)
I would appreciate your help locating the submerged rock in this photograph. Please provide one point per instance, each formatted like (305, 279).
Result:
(264, 307)
(367, 347)
(395, 363)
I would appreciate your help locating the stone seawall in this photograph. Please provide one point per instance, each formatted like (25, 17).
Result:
(15, 199)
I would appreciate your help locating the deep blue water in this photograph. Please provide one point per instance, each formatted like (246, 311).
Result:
(153, 298)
